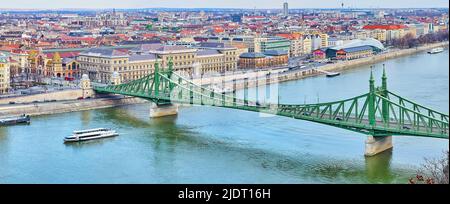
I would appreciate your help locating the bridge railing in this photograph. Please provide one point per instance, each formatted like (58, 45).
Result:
(141, 86)
(378, 113)
(352, 109)
(351, 114)
(403, 119)
(187, 92)
(417, 107)
(207, 96)
(354, 112)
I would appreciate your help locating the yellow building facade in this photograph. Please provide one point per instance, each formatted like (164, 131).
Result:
(4, 75)
(100, 64)
(54, 66)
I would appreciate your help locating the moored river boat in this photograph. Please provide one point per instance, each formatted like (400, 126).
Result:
(13, 120)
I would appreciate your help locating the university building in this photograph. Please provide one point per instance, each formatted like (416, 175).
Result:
(217, 57)
(183, 58)
(100, 64)
(210, 56)
(135, 63)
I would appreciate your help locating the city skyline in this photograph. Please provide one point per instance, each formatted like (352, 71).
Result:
(248, 4)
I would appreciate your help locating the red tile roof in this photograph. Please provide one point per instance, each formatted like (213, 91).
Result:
(255, 17)
(9, 47)
(63, 54)
(290, 36)
(384, 27)
(149, 35)
(85, 39)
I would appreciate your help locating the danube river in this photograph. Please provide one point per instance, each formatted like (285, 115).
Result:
(216, 145)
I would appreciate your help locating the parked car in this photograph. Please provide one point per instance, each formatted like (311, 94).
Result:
(12, 102)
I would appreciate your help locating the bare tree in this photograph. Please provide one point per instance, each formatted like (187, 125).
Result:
(408, 41)
(434, 171)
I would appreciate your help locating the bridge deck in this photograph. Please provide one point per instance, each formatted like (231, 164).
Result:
(377, 113)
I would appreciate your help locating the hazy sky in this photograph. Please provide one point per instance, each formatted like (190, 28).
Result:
(51, 4)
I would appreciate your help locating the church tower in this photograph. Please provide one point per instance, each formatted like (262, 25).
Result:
(85, 85)
(57, 65)
(115, 78)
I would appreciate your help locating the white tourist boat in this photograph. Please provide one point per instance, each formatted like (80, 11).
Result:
(436, 50)
(91, 134)
(90, 130)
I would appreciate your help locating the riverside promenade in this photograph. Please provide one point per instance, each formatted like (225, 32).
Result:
(47, 108)
(381, 57)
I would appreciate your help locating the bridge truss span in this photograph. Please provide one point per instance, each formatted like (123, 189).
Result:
(377, 113)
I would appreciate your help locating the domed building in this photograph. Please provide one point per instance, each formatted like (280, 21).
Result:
(353, 49)
(115, 78)
(374, 43)
(54, 66)
(86, 87)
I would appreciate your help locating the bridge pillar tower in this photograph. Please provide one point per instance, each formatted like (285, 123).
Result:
(377, 144)
(160, 87)
(115, 78)
(86, 88)
(160, 110)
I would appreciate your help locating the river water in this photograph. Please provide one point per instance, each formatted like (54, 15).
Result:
(216, 145)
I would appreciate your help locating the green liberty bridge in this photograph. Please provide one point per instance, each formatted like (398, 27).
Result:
(380, 113)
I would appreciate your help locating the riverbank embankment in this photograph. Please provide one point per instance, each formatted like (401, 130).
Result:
(47, 108)
(380, 58)
(73, 94)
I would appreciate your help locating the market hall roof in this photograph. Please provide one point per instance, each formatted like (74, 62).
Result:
(361, 42)
(384, 27)
(357, 49)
